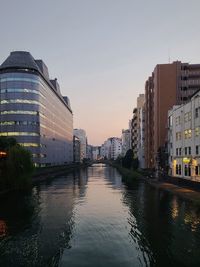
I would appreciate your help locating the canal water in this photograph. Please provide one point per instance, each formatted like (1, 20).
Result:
(93, 218)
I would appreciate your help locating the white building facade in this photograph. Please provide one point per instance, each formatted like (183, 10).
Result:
(184, 140)
(112, 148)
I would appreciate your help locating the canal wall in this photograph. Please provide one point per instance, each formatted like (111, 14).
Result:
(47, 173)
(183, 189)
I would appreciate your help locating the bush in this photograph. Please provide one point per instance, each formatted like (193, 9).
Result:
(16, 169)
(19, 167)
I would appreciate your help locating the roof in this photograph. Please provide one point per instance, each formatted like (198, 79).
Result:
(20, 59)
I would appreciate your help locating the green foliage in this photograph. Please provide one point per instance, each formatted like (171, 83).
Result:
(16, 169)
(135, 164)
(127, 161)
(6, 143)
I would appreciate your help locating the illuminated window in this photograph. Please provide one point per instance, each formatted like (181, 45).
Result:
(26, 112)
(18, 134)
(19, 90)
(188, 133)
(197, 131)
(39, 155)
(20, 101)
(29, 144)
(32, 123)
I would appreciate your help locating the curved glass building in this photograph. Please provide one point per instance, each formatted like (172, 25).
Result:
(33, 111)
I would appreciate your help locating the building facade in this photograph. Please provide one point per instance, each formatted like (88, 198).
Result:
(33, 111)
(134, 131)
(111, 149)
(184, 140)
(137, 130)
(126, 141)
(77, 149)
(81, 135)
(170, 84)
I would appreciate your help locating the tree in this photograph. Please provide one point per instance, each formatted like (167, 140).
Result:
(6, 143)
(128, 159)
(16, 169)
(135, 164)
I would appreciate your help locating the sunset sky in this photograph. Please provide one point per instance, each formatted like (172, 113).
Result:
(101, 51)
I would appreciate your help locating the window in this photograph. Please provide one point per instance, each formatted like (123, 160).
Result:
(19, 112)
(189, 170)
(197, 170)
(170, 121)
(197, 150)
(18, 134)
(197, 131)
(21, 101)
(187, 116)
(177, 152)
(176, 168)
(178, 136)
(186, 170)
(189, 150)
(179, 169)
(188, 133)
(178, 120)
(185, 150)
(184, 98)
(180, 151)
(196, 112)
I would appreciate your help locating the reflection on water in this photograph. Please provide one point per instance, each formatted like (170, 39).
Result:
(91, 218)
(3, 228)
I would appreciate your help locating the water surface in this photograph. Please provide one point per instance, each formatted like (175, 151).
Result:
(92, 218)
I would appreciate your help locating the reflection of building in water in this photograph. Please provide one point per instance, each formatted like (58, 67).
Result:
(3, 228)
(164, 225)
(43, 221)
(175, 209)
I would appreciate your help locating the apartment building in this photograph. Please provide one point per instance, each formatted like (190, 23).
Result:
(137, 130)
(170, 84)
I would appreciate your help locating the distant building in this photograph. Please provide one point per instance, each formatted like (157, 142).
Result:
(96, 152)
(137, 130)
(184, 139)
(33, 111)
(134, 130)
(77, 149)
(170, 84)
(89, 152)
(126, 141)
(112, 148)
(81, 135)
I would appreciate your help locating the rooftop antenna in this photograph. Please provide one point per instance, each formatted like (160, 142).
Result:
(169, 59)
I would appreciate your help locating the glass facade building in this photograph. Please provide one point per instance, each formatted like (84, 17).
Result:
(33, 111)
